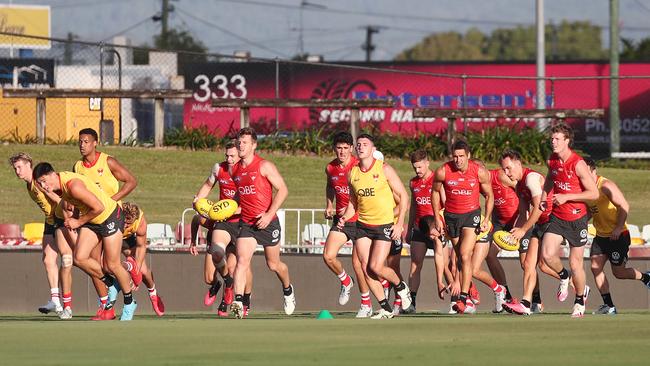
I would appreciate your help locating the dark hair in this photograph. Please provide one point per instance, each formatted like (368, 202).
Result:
(419, 155)
(425, 224)
(89, 131)
(342, 137)
(366, 136)
(591, 163)
(247, 131)
(564, 129)
(231, 144)
(131, 211)
(42, 169)
(460, 145)
(510, 153)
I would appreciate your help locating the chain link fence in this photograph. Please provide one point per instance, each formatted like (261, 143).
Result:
(81, 65)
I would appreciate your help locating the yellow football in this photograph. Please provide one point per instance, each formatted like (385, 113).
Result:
(485, 233)
(223, 210)
(505, 241)
(203, 206)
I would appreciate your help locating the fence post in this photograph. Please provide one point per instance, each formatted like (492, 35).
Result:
(244, 117)
(451, 132)
(463, 102)
(40, 120)
(159, 121)
(354, 122)
(277, 93)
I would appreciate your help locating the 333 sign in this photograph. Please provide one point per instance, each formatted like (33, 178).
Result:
(219, 86)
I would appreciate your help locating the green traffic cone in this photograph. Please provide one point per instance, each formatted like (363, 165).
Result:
(324, 314)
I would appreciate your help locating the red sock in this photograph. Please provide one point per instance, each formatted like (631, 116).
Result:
(67, 300)
(397, 302)
(103, 301)
(385, 283)
(365, 299)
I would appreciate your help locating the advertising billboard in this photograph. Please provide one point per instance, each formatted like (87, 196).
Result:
(33, 20)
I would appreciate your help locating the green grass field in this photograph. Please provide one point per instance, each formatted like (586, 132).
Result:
(272, 339)
(168, 179)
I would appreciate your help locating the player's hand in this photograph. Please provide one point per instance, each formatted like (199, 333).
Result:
(438, 224)
(517, 233)
(616, 233)
(194, 250)
(341, 223)
(454, 288)
(396, 232)
(542, 206)
(263, 220)
(442, 290)
(485, 225)
(329, 213)
(559, 199)
(196, 198)
(71, 223)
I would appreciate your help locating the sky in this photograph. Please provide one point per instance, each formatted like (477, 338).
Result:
(334, 29)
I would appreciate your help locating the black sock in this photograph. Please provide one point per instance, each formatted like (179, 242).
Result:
(227, 280)
(525, 303)
(246, 300)
(108, 280)
(454, 298)
(128, 298)
(607, 299)
(385, 305)
(214, 288)
(508, 295)
(537, 298)
(400, 286)
(239, 298)
(288, 291)
(580, 299)
(413, 295)
(564, 274)
(645, 278)
(463, 296)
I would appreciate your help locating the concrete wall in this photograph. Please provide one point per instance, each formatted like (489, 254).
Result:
(179, 279)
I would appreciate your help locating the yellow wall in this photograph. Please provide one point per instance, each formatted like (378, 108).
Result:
(63, 117)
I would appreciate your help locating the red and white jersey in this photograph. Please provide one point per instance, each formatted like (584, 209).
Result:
(506, 202)
(421, 193)
(566, 181)
(462, 190)
(337, 178)
(227, 188)
(255, 191)
(524, 193)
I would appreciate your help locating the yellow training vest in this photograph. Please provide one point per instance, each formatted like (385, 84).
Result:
(131, 229)
(100, 173)
(604, 212)
(104, 198)
(42, 201)
(375, 201)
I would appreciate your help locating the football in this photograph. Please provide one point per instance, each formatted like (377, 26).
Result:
(223, 210)
(203, 206)
(505, 241)
(483, 234)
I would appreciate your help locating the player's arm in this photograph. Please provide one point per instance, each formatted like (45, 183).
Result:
(330, 195)
(548, 187)
(141, 242)
(611, 190)
(534, 182)
(79, 192)
(403, 203)
(123, 175)
(352, 205)
(486, 189)
(268, 170)
(51, 196)
(436, 196)
(590, 190)
(412, 214)
(209, 183)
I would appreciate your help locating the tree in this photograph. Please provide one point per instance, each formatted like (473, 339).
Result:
(633, 51)
(175, 40)
(566, 41)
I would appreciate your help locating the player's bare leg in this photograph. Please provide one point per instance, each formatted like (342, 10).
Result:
(50, 256)
(481, 250)
(335, 240)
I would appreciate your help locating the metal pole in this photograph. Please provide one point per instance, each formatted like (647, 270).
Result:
(101, 80)
(40, 120)
(451, 132)
(542, 123)
(244, 117)
(277, 94)
(614, 118)
(464, 87)
(159, 122)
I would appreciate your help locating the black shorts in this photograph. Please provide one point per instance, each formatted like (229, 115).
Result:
(417, 236)
(616, 250)
(349, 229)
(539, 230)
(110, 226)
(395, 247)
(378, 232)
(265, 237)
(49, 229)
(575, 232)
(456, 222)
(58, 223)
(130, 242)
(232, 228)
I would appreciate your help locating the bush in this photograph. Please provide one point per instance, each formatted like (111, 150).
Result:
(488, 144)
(193, 138)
